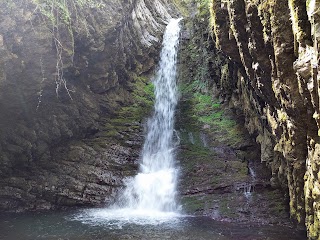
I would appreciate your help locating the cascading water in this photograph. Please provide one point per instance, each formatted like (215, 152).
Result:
(150, 196)
(154, 188)
(147, 209)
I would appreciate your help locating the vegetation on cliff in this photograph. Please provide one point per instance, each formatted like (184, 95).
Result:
(216, 156)
(253, 62)
(64, 19)
(276, 43)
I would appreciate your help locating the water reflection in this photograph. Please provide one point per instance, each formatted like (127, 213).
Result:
(68, 225)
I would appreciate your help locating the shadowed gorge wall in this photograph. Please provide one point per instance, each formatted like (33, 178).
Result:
(75, 89)
(277, 88)
(67, 72)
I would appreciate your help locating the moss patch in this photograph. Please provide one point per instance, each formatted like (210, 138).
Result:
(142, 103)
(205, 112)
(124, 126)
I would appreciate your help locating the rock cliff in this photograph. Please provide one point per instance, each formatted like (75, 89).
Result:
(74, 90)
(274, 50)
(221, 171)
(68, 69)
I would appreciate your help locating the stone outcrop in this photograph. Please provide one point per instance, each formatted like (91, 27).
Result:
(274, 48)
(65, 73)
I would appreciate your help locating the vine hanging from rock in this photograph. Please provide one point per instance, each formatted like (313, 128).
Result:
(63, 18)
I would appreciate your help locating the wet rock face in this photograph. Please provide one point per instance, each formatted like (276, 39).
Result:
(221, 173)
(61, 77)
(276, 43)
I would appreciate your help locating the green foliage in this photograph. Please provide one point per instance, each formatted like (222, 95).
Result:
(204, 103)
(201, 66)
(143, 100)
(198, 56)
(193, 203)
(201, 59)
(209, 111)
(182, 5)
(144, 93)
(126, 120)
(63, 17)
(61, 11)
(203, 8)
(185, 6)
(61, 14)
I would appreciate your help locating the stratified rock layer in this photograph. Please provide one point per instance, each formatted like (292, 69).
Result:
(65, 73)
(277, 88)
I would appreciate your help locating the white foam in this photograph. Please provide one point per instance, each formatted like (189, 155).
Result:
(117, 218)
(154, 188)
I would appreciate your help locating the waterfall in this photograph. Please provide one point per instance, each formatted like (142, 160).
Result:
(154, 188)
(150, 196)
